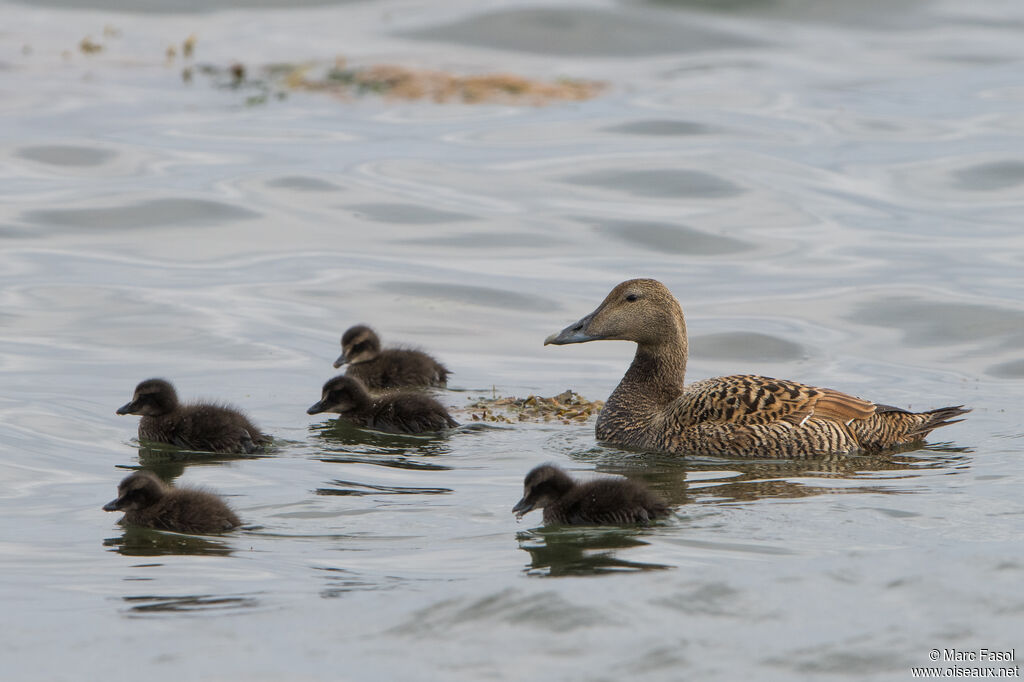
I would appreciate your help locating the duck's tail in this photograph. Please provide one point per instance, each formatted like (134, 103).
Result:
(892, 426)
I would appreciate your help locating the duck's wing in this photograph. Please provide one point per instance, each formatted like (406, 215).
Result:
(752, 399)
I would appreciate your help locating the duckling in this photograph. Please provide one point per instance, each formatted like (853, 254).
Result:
(148, 501)
(732, 416)
(389, 368)
(392, 412)
(605, 501)
(200, 426)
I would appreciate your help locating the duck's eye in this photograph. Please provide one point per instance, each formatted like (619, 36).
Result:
(632, 297)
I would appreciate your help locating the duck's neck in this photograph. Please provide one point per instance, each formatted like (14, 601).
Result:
(656, 375)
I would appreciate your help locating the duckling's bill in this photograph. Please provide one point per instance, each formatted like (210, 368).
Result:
(522, 508)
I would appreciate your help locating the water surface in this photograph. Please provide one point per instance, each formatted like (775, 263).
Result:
(832, 191)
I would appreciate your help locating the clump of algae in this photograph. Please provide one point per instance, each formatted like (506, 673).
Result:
(567, 407)
(400, 82)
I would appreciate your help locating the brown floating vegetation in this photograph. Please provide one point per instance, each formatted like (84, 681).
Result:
(567, 407)
(88, 46)
(400, 82)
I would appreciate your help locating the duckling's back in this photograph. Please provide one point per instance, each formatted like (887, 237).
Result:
(409, 413)
(186, 510)
(206, 427)
(606, 502)
(397, 368)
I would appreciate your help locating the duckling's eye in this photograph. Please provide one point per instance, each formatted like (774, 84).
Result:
(632, 297)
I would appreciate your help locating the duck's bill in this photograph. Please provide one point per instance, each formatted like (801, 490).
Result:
(574, 333)
(342, 360)
(522, 507)
(316, 408)
(128, 408)
(113, 505)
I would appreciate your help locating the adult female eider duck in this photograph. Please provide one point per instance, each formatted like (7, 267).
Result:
(732, 416)
(389, 368)
(601, 502)
(199, 426)
(392, 412)
(147, 501)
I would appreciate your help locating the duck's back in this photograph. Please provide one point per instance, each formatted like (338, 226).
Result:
(186, 511)
(606, 502)
(409, 413)
(397, 368)
(206, 427)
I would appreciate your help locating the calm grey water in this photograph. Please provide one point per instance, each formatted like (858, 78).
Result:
(833, 191)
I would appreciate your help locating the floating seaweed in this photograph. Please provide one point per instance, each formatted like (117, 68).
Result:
(401, 82)
(88, 46)
(567, 407)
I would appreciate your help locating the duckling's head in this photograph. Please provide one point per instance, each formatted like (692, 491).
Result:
(137, 491)
(152, 398)
(341, 394)
(639, 310)
(358, 344)
(542, 486)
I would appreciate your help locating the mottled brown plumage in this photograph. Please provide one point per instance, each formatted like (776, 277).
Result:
(147, 501)
(399, 412)
(601, 502)
(389, 368)
(199, 426)
(736, 416)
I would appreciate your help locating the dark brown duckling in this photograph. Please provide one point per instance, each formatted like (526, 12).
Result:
(389, 368)
(392, 412)
(147, 501)
(199, 426)
(601, 502)
(733, 416)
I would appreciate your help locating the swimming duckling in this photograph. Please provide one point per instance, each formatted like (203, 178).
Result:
(392, 412)
(601, 502)
(389, 368)
(148, 501)
(200, 426)
(735, 416)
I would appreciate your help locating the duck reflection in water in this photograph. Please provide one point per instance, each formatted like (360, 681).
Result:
(138, 541)
(582, 551)
(700, 480)
(169, 462)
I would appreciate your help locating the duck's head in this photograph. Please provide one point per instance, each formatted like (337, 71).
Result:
(341, 394)
(358, 344)
(152, 398)
(137, 491)
(639, 310)
(543, 485)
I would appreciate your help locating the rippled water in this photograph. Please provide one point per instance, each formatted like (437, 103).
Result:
(832, 190)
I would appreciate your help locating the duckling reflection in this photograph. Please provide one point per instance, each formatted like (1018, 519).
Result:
(339, 434)
(149, 502)
(169, 462)
(389, 368)
(564, 551)
(392, 412)
(601, 502)
(199, 426)
(139, 541)
(186, 604)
